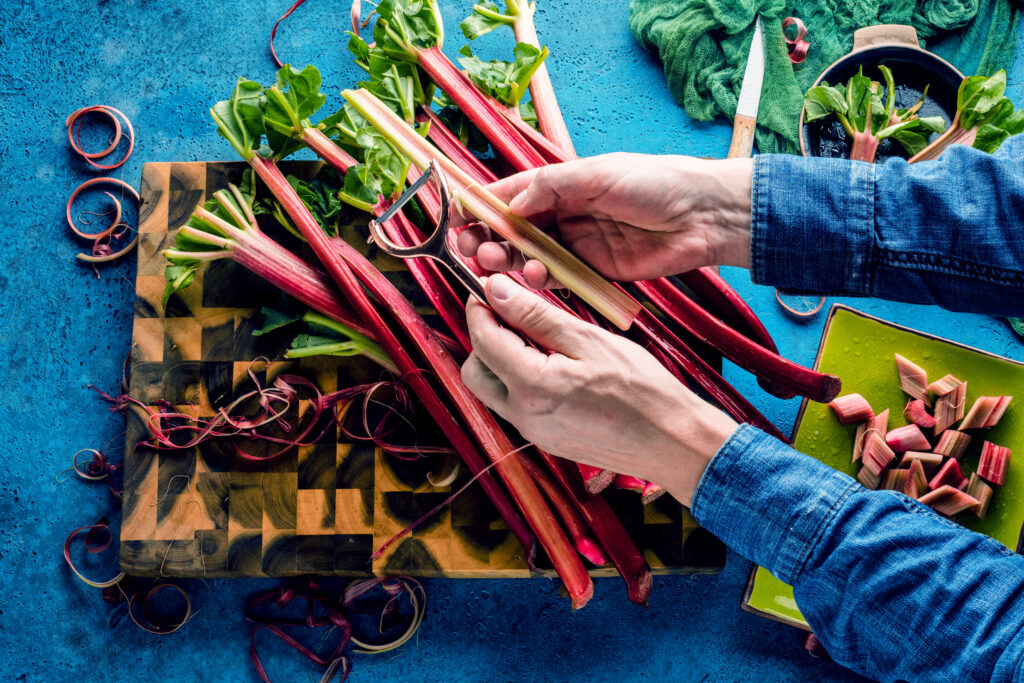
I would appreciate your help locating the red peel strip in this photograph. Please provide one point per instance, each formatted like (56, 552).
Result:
(273, 31)
(146, 621)
(799, 314)
(100, 527)
(74, 125)
(797, 46)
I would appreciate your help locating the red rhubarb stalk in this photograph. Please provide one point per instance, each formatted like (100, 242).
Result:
(949, 407)
(595, 479)
(452, 147)
(913, 379)
(851, 408)
(948, 475)
(572, 521)
(994, 463)
(917, 412)
(738, 348)
(952, 443)
(948, 500)
(908, 438)
(986, 412)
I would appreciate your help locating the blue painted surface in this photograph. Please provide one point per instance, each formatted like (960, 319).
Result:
(164, 63)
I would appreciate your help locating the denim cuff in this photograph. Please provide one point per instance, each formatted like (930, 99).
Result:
(768, 502)
(812, 224)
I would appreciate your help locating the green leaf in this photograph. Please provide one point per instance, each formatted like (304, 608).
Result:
(913, 134)
(977, 96)
(320, 195)
(287, 106)
(989, 138)
(239, 119)
(397, 84)
(305, 345)
(823, 100)
(528, 113)
(507, 82)
(360, 49)
(405, 26)
(179, 275)
(485, 18)
(274, 320)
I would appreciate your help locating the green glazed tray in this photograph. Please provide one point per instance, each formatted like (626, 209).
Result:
(859, 348)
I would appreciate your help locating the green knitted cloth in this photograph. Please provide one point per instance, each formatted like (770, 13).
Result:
(703, 45)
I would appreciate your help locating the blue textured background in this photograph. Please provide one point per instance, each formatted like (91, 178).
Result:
(164, 63)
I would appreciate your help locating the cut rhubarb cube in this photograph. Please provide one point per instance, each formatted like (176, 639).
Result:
(952, 443)
(868, 479)
(917, 412)
(950, 408)
(651, 493)
(896, 480)
(948, 475)
(851, 408)
(931, 462)
(877, 455)
(941, 387)
(982, 492)
(917, 482)
(948, 501)
(879, 424)
(986, 412)
(913, 379)
(995, 461)
(909, 438)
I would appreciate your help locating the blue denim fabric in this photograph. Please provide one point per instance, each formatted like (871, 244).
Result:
(948, 232)
(893, 590)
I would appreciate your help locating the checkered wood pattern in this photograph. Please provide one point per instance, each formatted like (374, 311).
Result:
(321, 509)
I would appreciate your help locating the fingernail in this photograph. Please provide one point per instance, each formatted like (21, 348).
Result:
(517, 202)
(502, 287)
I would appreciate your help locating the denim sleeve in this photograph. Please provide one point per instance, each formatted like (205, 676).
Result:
(948, 232)
(892, 590)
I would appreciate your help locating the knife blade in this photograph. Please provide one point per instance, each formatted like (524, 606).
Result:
(750, 96)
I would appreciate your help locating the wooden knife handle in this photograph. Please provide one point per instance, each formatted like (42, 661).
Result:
(742, 137)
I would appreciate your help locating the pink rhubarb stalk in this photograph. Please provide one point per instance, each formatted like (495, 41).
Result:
(595, 479)
(930, 462)
(877, 455)
(982, 492)
(879, 424)
(917, 412)
(917, 481)
(851, 408)
(994, 463)
(986, 412)
(952, 443)
(948, 475)
(572, 521)
(909, 438)
(949, 407)
(913, 379)
(949, 501)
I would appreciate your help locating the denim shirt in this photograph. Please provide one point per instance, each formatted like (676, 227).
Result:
(892, 589)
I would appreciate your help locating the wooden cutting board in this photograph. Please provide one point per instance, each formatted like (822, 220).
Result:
(323, 509)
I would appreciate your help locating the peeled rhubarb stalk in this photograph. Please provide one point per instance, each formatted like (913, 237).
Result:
(879, 424)
(909, 438)
(917, 482)
(986, 412)
(948, 475)
(851, 408)
(595, 479)
(877, 454)
(930, 462)
(994, 463)
(917, 412)
(913, 379)
(896, 480)
(952, 443)
(949, 501)
(982, 492)
(941, 387)
(649, 492)
(950, 407)
(867, 478)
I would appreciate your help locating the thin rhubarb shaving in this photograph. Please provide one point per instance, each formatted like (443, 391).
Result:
(913, 378)
(851, 408)
(74, 125)
(101, 251)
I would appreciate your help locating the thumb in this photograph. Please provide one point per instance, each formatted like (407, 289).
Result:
(525, 311)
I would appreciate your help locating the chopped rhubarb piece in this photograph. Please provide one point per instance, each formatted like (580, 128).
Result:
(948, 475)
(909, 438)
(879, 424)
(651, 493)
(896, 480)
(917, 482)
(868, 479)
(913, 379)
(995, 461)
(941, 387)
(917, 412)
(629, 483)
(952, 443)
(877, 455)
(595, 479)
(948, 501)
(950, 408)
(851, 408)
(986, 412)
(982, 492)
(929, 461)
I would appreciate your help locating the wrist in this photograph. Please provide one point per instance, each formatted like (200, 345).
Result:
(698, 437)
(724, 209)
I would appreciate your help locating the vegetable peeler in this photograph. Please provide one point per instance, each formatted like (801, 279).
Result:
(436, 246)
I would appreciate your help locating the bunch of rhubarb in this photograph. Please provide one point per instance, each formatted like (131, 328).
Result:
(924, 458)
(382, 138)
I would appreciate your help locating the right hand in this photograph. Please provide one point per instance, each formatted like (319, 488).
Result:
(630, 216)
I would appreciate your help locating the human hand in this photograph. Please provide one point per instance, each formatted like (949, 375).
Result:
(598, 398)
(630, 216)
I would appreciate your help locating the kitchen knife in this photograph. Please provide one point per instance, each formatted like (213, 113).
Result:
(750, 96)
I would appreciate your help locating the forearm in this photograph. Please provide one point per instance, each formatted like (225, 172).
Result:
(893, 590)
(949, 232)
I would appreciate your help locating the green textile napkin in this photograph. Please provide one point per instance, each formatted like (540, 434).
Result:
(703, 45)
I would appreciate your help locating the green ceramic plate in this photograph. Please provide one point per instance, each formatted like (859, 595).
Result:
(860, 348)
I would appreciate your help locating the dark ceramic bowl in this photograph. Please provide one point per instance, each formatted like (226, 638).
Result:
(896, 47)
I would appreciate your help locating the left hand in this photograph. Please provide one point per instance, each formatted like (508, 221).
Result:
(598, 398)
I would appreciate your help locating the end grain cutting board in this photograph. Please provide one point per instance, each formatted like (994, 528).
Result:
(325, 508)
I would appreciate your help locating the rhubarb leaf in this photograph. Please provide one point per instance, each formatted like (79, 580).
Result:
(239, 119)
(397, 84)
(321, 197)
(913, 134)
(405, 26)
(822, 100)
(507, 82)
(978, 95)
(274, 320)
(360, 49)
(485, 18)
(287, 106)
(179, 275)
(528, 113)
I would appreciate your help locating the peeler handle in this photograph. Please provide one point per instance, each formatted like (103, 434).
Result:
(885, 34)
